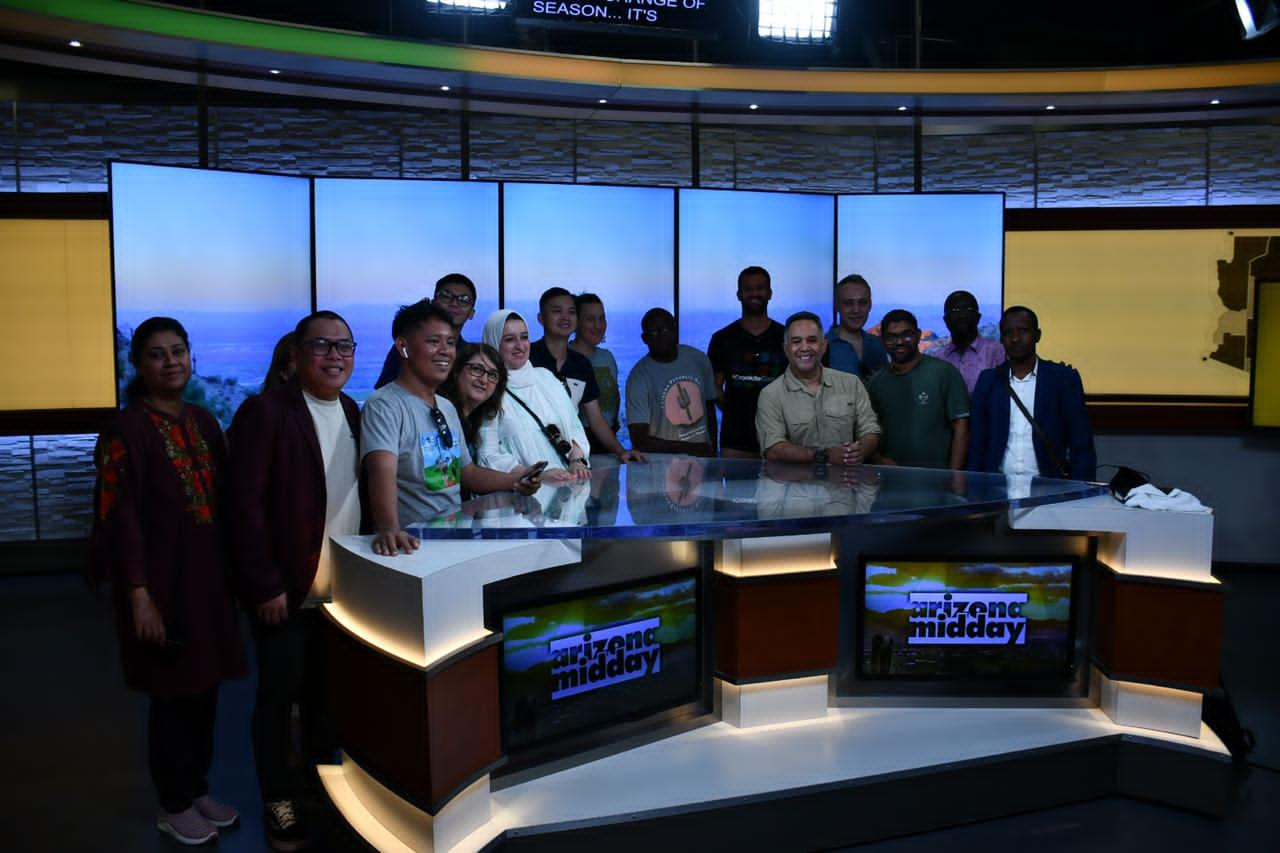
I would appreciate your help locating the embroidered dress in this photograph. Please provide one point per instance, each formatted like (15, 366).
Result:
(157, 524)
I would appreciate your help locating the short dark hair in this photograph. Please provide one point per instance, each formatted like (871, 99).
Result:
(853, 278)
(300, 330)
(655, 312)
(587, 299)
(899, 315)
(457, 278)
(754, 270)
(551, 293)
(135, 390)
(957, 295)
(1021, 309)
(411, 316)
(801, 316)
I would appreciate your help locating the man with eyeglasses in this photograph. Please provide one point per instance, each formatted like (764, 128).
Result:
(455, 294)
(921, 402)
(967, 351)
(294, 482)
(412, 445)
(850, 347)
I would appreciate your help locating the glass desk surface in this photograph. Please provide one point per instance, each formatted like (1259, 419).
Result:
(686, 497)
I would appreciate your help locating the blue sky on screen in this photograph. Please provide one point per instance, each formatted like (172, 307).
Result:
(617, 242)
(381, 244)
(915, 249)
(192, 240)
(722, 231)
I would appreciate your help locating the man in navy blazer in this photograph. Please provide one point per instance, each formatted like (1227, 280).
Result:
(295, 483)
(1000, 436)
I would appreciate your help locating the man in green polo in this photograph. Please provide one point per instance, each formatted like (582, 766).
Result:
(813, 413)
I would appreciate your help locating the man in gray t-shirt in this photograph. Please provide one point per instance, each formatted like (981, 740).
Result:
(428, 473)
(668, 393)
(411, 441)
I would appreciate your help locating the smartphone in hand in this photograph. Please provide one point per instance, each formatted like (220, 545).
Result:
(534, 470)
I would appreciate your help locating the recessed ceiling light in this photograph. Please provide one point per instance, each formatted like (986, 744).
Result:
(602, 100)
(74, 43)
(902, 109)
(275, 70)
(444, 88)
(1051, 107)
(1215, 102)
(754, 107)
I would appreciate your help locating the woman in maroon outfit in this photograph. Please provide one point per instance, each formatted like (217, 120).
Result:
(158, 537)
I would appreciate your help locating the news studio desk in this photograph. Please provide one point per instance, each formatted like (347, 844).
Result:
(796, 728)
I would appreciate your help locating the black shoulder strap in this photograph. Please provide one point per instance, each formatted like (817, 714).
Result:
(1039, 432)
(542, 428)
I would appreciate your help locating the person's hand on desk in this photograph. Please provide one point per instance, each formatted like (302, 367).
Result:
(388, 543)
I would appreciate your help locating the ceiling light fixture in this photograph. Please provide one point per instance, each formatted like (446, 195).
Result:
(902, 109)
(1050, 107)
(74, 43)
(796, 21)
(274, 71)
(754, 107)
(444, 88)
(1215, 102)
(1257, 16)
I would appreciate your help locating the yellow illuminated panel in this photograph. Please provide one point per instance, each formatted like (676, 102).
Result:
(55, 280)
(1266, 377)
(1160, 312)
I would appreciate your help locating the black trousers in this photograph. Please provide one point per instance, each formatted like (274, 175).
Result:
(290, 669)
(180, 747)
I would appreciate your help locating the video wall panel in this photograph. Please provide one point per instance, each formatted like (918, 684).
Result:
(723, 231)
(228, 254)
(915, 249)
(617, 242)
(381, 244)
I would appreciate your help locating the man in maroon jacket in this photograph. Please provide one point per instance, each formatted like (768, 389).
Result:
(294, 475)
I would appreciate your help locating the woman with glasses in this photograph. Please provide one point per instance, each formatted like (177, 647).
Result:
(158, 537)
(537, 420)
(476, 386)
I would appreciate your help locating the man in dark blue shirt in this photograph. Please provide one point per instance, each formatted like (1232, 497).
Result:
(849, 347)
(456, 296)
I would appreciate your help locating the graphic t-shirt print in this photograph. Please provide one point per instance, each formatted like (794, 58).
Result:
(441, 466)
(684, 409)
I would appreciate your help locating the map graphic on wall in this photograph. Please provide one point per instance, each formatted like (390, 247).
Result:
(1253, 258)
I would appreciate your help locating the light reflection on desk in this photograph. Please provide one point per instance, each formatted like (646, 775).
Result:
(683, 496)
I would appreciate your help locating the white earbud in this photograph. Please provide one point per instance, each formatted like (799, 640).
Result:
(404, 351)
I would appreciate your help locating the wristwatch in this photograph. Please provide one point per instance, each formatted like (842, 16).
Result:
(820, 456)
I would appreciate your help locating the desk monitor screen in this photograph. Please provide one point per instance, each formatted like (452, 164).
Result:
(991, 620)
(598, 658)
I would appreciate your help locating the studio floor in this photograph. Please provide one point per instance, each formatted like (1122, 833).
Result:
(73, 739)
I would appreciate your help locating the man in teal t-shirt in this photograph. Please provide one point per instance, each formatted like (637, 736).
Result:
(922, 403)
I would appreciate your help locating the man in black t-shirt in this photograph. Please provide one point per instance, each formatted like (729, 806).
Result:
(746, 355)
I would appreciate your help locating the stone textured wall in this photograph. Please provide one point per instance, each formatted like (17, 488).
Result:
(46, 481)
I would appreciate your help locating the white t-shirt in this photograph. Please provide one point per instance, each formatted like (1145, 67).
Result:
(342, 510)
(1020, 451)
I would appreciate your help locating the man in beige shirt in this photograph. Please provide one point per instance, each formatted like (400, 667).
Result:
(812, 413)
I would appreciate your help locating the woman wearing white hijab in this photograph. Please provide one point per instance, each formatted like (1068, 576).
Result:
(514, 438)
